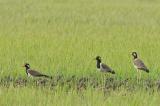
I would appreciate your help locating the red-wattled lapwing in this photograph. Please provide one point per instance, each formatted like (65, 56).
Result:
(138, 63)
(34, 73)
(103, 67)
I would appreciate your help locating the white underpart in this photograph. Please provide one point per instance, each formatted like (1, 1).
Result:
(98, 69)
(101, 68)
(135, 66)
(29, 74)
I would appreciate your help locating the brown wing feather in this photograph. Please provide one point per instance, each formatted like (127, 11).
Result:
(34, 73)
(140, 65)
(106, 68)
(37, 74)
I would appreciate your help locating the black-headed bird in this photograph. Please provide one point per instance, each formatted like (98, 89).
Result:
(103, 67)
(34, 73)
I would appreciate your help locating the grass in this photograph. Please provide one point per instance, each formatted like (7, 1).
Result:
(63, 37)
(90, 97)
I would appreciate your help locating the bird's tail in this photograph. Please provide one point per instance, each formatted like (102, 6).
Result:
(113, 72)
(147, 70)
(43, 75)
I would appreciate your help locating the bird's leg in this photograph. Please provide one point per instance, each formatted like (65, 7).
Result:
(108, 75)
(148, 76)
(137, 75)
(140, 74)
(103, 80)
(105, 75)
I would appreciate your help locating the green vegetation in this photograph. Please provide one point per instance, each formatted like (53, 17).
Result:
(21, 96)
(63, 36)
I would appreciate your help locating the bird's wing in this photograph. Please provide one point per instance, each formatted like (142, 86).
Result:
(139, 64)
(106, 67)
(34, 73)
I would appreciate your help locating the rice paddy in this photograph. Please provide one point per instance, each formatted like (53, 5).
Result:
(62, 37)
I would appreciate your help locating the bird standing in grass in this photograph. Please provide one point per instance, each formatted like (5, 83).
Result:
(103, 67)
(34, 73)
(138, 64)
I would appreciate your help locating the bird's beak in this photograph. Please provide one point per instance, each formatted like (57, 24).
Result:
(94, 58)
(23, 66)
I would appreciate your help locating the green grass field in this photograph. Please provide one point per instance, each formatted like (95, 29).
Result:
(63, 37)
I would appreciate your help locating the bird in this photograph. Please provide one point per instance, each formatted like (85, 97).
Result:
(139, 64)
(103, 67)
(34, 73)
